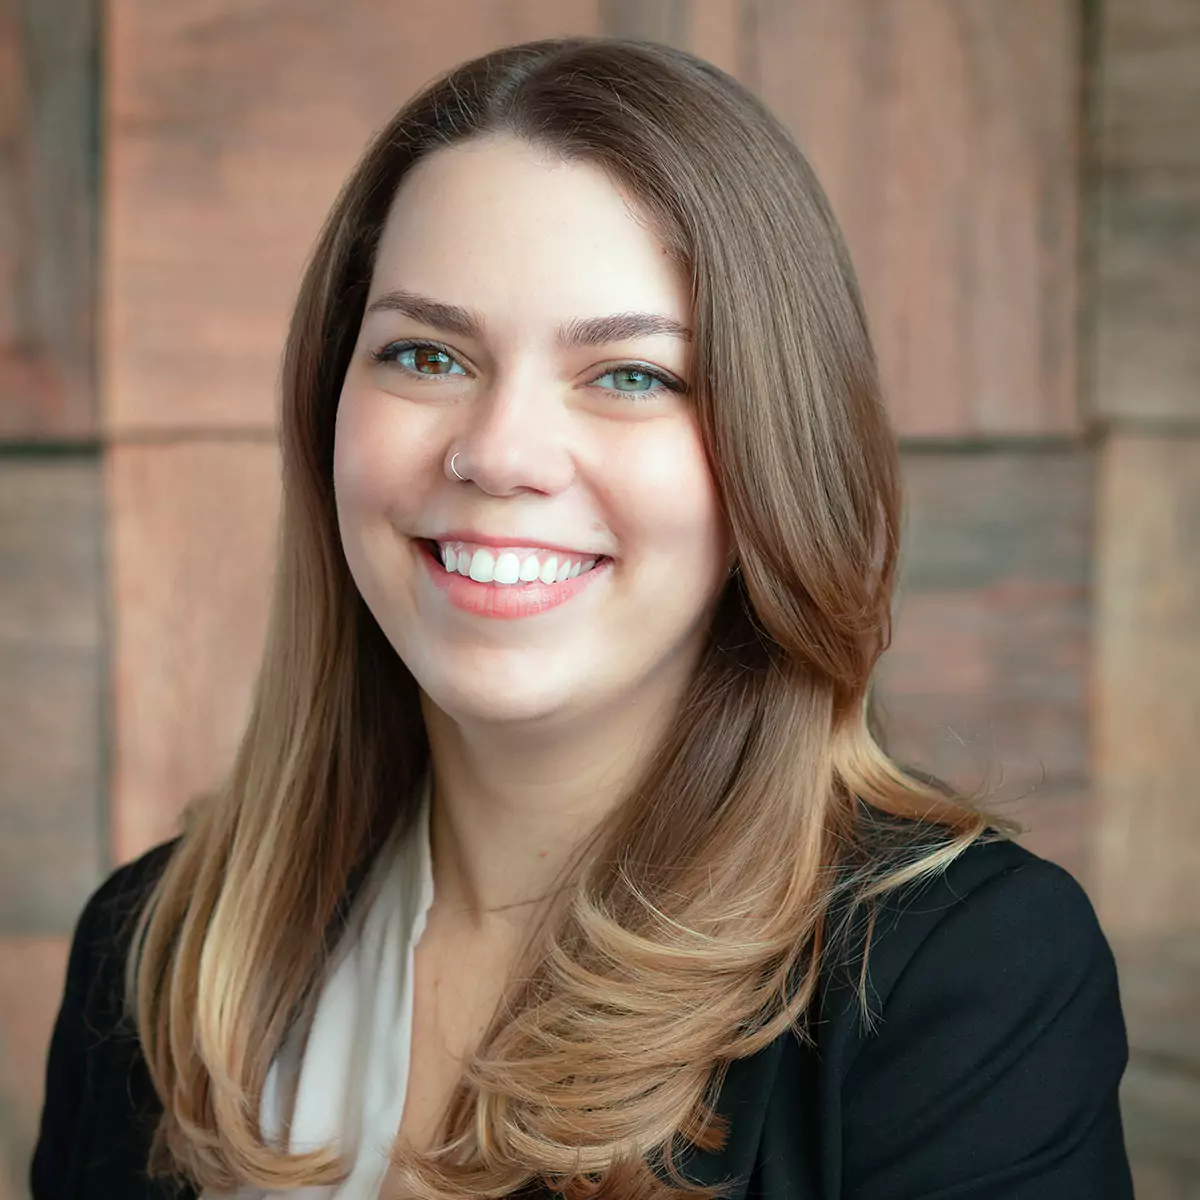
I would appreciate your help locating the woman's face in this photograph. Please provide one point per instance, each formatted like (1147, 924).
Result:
(523, 317)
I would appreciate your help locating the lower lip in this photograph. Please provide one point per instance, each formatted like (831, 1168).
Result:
(505, 601)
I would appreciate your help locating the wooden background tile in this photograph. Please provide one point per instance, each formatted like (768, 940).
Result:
(193, 528)
(230, 130)
(49, 112)
(1160, 991)
(1147, 347)
(51, 691)
(1147, 666)
(1149, 84)
(946, 132)
(1145, 363)
(32, 971)
(986, 683)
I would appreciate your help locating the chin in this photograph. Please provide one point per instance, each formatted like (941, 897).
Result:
(474, 703)
(480, 682)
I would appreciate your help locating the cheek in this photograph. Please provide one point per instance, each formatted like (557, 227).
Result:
(354, 450)
(670, 503)
(372, 450)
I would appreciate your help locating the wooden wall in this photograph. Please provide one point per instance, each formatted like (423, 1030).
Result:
(1019, 181)
(1143, 363)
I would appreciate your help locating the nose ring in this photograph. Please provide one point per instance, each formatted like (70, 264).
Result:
(455, 469)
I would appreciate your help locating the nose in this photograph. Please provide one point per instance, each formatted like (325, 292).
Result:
(514, 438)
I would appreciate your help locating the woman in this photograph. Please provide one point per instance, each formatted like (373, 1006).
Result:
(558, 854)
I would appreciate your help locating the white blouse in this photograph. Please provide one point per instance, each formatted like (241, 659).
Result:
(349, 1076)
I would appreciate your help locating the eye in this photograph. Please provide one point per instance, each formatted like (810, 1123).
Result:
(419, 358)
(633, 379)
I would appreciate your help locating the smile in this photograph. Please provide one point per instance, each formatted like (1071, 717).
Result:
(508, 582)
(512, 566)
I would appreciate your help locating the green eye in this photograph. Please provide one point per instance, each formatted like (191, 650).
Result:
(628, 379)
(635, 381)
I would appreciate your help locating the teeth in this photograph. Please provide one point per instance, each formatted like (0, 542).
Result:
(507, 569)
(482, 566)
(510, 567)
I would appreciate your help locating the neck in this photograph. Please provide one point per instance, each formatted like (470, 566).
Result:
(510, 806)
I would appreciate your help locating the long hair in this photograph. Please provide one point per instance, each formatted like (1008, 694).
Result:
(696, 921)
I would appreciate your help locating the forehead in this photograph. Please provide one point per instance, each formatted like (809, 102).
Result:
(503, 227)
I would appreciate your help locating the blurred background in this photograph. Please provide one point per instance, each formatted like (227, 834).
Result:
(1019, 182)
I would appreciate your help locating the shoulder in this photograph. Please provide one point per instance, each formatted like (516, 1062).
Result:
(1013, 910)
(122, 893)
(998, 912)
(994, 890)
(97, 1091)
(105, 927)
(996, 1024)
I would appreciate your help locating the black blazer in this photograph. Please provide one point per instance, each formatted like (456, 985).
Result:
(992, 1076)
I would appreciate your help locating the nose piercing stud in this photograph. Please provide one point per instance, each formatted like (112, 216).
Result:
(455, 469)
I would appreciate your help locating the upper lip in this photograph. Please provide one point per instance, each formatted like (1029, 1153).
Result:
(517, 540)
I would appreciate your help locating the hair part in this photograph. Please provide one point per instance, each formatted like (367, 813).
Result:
(678, 946)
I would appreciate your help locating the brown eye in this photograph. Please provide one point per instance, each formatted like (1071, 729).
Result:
(432, 362)
(420, 358)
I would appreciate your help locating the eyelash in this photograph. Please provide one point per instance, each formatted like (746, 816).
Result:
(385, 354)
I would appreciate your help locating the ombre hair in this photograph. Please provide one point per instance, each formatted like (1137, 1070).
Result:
(696, 922)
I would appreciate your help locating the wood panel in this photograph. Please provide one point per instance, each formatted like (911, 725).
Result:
(32, 971)
(1147, 667)
(1149, 84)
(986, 683)
(1146, 386)
(51, 691)
(1160, 1102)
(1147, 342)
(1147, 347)
(716, 30)
(230, 128)
(193, 535)
(945, 132)
(48, 115)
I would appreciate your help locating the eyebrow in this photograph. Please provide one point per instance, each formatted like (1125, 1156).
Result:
(590, 331)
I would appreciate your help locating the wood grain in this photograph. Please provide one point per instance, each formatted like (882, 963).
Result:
(989, 658)
(714, 30)
(945, 132)
(52, 691)
(230, 129)
(1147, 342)
(193, 530)
(1149, 84)
(1147, 257)
(986, 683)
(49, 101)
(1147, 680)
(32, 971)
(1160, 993)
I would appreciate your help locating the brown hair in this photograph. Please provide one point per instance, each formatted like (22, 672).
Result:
(698, 918)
